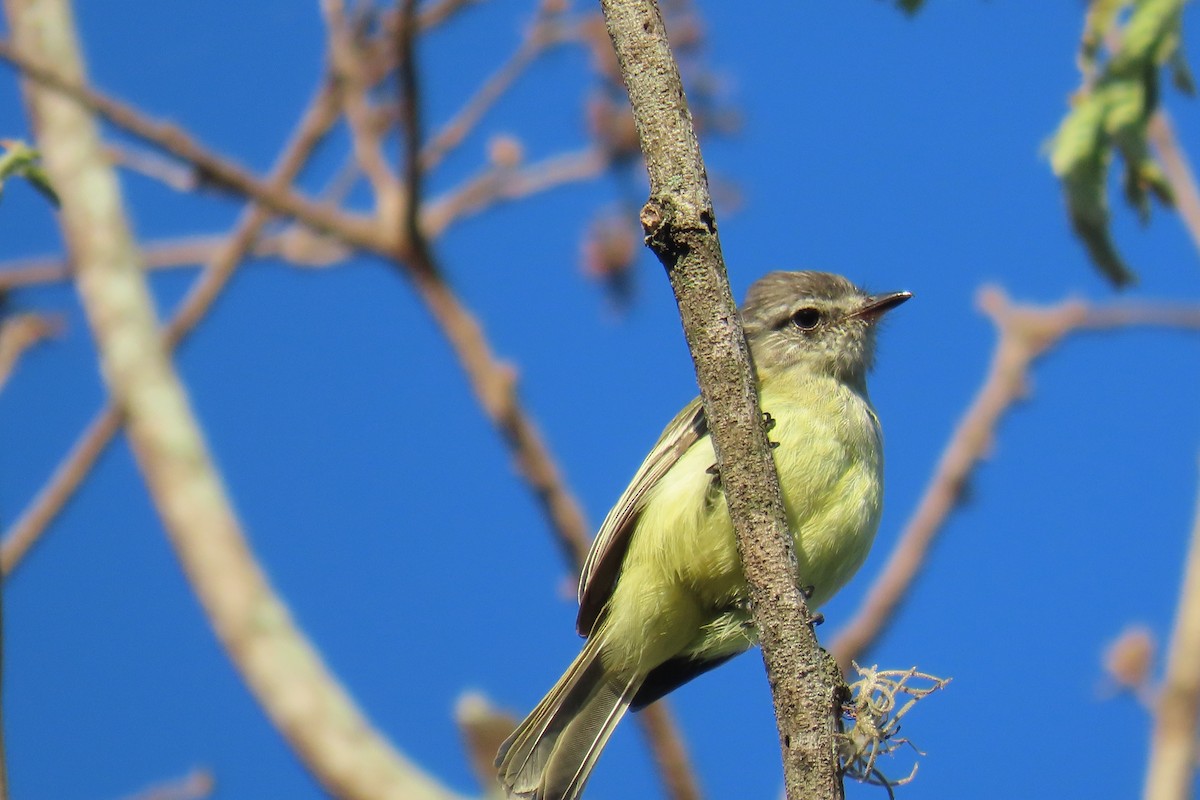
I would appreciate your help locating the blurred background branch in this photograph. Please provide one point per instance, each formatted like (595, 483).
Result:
(1025, 334)
(1171, 774)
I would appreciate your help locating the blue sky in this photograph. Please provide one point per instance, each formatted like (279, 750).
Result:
(904, 153)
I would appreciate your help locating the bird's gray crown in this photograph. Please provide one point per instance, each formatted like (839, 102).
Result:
(815, 322)
(775, 296)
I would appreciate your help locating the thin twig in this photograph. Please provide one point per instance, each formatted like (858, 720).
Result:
(493, 381)
(542, 35)
(669, 751)
(197, 784)
(297, 245)
(498, 183)
(493, 185)
(1177, 170)
(439, 12)
(18, 334)
(411, 132)
(366, 134)
(1026, 333)
(155, 166)
(494, 384)
(213, 169)
(1171, 773)
(20, 538)
(76, 465)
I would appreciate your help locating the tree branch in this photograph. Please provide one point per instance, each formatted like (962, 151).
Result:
(296, 244)
(681, 229)
(366, 134)
(545, 32)
(1172, 769)
(18, 334)
(196, 785)
(494, 384)
(1026, 333)
(280, 666)
(215, 170)
(497, 183)
(318, 118)
(1177, 171)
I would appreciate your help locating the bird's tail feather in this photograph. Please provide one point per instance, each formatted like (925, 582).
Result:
(551, 753)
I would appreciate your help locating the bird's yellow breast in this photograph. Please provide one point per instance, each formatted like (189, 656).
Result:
(682, 576)
(829, 462)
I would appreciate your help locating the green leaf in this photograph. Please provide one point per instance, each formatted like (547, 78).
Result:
(22, 161)
(1111, 113)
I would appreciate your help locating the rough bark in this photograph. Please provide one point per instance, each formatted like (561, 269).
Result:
(681, 229)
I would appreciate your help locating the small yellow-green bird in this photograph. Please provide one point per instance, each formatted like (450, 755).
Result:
(662, 597)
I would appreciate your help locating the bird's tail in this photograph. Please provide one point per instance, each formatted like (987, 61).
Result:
(551, 753)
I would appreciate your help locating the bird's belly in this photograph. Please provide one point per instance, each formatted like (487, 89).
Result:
(830, 471)
(682, 584)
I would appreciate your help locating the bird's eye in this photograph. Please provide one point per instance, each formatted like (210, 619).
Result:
(806, 319)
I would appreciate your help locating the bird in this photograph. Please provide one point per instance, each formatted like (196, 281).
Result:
(662, 596)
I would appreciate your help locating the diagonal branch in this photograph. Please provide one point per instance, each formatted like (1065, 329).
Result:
(1171, 773)
(214, 169)
(494, 384)
(366, 133)
(497, 183)
(544, 34)
(438, 12)
(1177, 171)
(299, 246)
(1026, 334)
(18, 334)
(77, 464)
(681, 229)
(280, 666)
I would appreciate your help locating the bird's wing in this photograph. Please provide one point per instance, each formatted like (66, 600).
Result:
(603, 562)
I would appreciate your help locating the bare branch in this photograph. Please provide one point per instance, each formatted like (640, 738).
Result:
(75, 466)
(484, 728)
(1171, 773)
(669, 751)
(18, 334)
(213, 169)
(439, 12)
(494, 384)
(1026, 333)
(495, 184)
(681, 229)
(197, 784)
(300, 246)
(1177, 171)
(498, 183)
(366, 134)
(544, 34)
(20, 538)
(347, 756)
(411, 133)
(493, 381)
(155, 166)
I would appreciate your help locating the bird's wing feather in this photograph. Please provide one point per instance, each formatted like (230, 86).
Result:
(603, 562)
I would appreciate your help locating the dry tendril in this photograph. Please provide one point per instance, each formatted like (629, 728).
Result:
(874, 721)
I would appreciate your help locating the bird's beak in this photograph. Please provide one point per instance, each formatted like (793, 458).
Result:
(879, 304)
